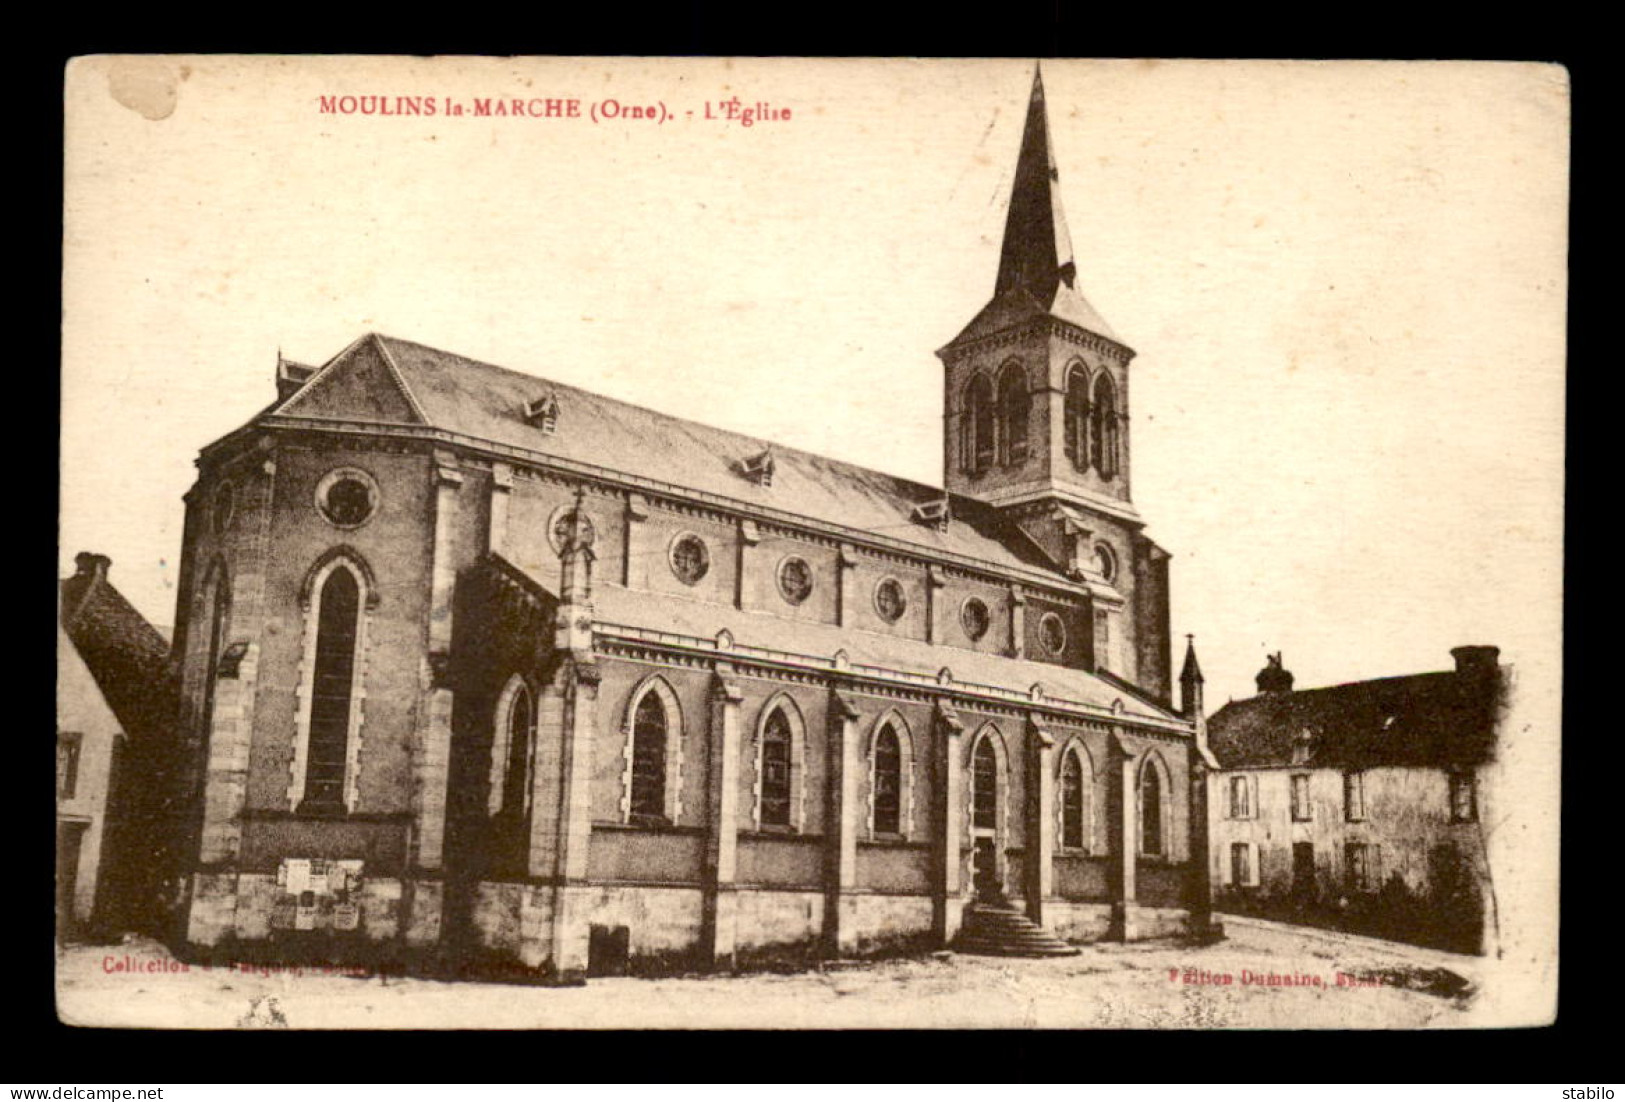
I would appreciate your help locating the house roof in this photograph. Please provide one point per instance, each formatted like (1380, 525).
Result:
(389, 380)
(1427, 719)
(126, 655)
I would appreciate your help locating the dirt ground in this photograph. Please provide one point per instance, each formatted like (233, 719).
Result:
(1110, 986)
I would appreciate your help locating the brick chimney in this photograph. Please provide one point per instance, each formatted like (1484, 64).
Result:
(1476, 661)
(94, 566)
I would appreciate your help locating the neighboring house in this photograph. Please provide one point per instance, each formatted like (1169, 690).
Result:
(1361, 805)
(114, 711)
(479, 663)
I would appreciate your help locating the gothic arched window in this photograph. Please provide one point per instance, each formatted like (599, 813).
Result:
(1015, 406)
(984, 786)
(1072, 803)
(1103, 428)
(1077, 417)
(888, 782)
(776, 770)
(649, 758)
(521, 721)
(976, 442)
(1151, 796)
(332, 692)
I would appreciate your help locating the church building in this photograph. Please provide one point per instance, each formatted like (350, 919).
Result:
(487, 666)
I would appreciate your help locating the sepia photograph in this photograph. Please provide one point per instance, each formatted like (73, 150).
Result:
(787, 543)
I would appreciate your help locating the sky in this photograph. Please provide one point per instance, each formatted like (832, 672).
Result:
(1345, 284)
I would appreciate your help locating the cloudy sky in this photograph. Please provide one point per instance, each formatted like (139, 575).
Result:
(1345, 284)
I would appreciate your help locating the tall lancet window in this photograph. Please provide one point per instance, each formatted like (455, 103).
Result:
(776, 770)
(976, 425)
(1151, 811)
(888, 780)
(1103, 428)
(521, 719)
(1077, 418)
(333, 689)
(984, 786)
(649, 759)
(1015, 406)
(1072, 804)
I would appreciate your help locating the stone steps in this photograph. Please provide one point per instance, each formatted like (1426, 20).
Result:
(996, 931)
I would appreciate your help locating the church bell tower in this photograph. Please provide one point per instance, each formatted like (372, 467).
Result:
(1037, 420)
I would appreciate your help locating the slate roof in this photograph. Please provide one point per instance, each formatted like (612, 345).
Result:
(1429, 719)
(614, 605)
(487, 403)
(126, 655)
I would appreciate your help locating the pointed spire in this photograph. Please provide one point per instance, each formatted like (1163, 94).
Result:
(1193, 670)
(1037, 251)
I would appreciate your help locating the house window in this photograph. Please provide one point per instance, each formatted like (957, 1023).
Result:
(976, 442)
(1463, 798)
(1241, 797)
(690, 560)
(1151, 811)
(1362, 866)
(776, 770)
(1354, 796)
(1072, 803)
(1241, 864)
(332, 692)
(1300, 797)
(648, 802)
(68, 744)
(1103, 428)
(888, 782)
(984, 786)
(1015, 408)
(1077, 418)
(521, 721)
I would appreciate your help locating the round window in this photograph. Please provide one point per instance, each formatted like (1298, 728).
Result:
(690, 561)
(1106, 561)
(795, 580)
(973, 617)
(1052, 633)
(889, 600)
(225, 500)
(559, 529)
(347, 498)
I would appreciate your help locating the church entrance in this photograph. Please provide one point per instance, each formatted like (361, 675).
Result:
(985, 870)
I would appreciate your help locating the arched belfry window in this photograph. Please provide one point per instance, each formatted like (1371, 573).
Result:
(652, 778)
(1103, 428)
(332, 691)
(1077, 417)
(511, 748)
(1015, 407)
(976, 425)
(1153, 808)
